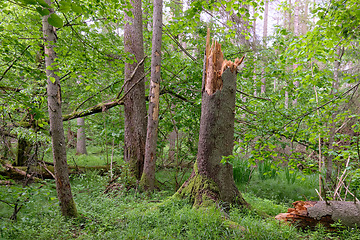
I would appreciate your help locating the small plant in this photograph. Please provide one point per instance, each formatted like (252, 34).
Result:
(266, 170)
(290, 175)
(242, 171)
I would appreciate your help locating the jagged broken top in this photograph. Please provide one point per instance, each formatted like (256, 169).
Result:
(216, 65)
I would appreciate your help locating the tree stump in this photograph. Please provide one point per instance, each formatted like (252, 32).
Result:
(212, 181)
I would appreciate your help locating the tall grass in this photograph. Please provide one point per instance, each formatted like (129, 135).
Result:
(266, 170)
(242, 171)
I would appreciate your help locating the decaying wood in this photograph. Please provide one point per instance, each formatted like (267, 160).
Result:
(308, 214)
(212, 181)
(46, 172)
(15, 171)
(216, 65)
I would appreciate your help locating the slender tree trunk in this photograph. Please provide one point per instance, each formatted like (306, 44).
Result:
(134, 103)
(289, 19)
(254, 29)
(81, 137)
(304, 26)
(212, 180)
(266, 17)
(265, 29)
(63, 188)
(329, 158)
(296, 33)
(148, 176)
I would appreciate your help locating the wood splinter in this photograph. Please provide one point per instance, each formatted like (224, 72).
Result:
(216, 65)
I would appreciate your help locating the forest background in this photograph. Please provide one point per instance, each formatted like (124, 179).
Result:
(296, 118)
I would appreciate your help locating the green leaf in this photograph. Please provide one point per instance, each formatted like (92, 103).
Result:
(52, 79)
(42, 11)
(76, 8)
(43, 3)
(30, 2)
(55, 20)
(64, 7)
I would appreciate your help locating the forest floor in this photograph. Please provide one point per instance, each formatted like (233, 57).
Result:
(129, 214)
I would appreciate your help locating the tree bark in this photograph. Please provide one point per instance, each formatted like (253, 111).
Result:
(211, 180)
(335, 88)
(148, 176)
(63, 188)
(311, 213)
(81, 137)
(23, 151)
(134, 102)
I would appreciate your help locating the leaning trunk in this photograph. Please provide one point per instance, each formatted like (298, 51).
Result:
(148, 176)
(134, 102)
(63, 188)
(211, 179)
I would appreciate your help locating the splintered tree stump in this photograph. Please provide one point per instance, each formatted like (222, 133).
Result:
(212, 181)
(308, 214)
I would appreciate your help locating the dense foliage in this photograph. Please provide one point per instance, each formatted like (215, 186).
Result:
(297, 109)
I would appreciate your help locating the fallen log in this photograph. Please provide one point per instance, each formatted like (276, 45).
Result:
(308, 214)
(45, 172)
(15, 171)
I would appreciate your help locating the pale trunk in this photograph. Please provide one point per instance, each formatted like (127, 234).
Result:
(148, 176)
(63, 188)
(266, 16)
(296, 33)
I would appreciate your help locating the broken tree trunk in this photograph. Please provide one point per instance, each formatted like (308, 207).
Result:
(212, 181)
(308, 214)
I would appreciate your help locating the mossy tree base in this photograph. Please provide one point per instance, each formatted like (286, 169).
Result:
(204, 192)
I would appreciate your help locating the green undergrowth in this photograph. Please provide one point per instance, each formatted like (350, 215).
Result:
(129, 214)
(280, 190)
(96, 157)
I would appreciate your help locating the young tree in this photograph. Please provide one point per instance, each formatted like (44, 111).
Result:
(212, 180)
(81, 137)
(67, 204)
(148, 176)
(134, 102)
(296, 33)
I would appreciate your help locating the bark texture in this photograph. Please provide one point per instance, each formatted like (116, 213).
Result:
(148, 176)
(81, 137)
(310, 213)
(63, 188)
(23, 151)
(134, 102)
(212, 180)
